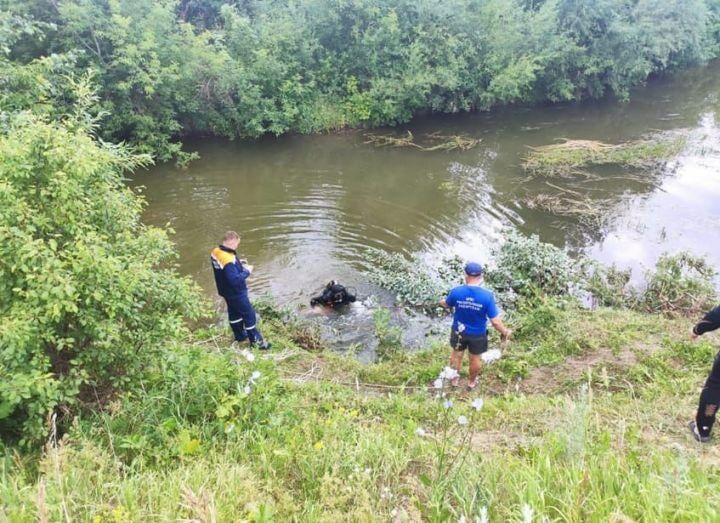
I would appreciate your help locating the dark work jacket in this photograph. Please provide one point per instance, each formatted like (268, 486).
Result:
(230, 274)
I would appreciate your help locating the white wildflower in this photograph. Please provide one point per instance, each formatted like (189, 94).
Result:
(420, 432)
(491, 355)
(255, 376)
(448, 373)
(527, 513)
(462, 519)
(448, 404)
(246, 390)
(462, 420)
(477, 403)
(483, 518)
(248, 355)
(438, 383)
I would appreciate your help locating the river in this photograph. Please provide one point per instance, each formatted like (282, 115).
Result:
(308, 207)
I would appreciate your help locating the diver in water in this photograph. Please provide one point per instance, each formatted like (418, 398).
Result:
(333, 295)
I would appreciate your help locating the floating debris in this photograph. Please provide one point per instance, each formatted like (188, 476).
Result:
(587, 210)
(437, 142)
(570, 156)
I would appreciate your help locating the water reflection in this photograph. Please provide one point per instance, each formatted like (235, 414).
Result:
(683, 215)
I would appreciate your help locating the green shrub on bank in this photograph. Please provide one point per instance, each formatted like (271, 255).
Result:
(413, 281)
(525, 270)
(680, 283)
(524, 267)
(88, 295)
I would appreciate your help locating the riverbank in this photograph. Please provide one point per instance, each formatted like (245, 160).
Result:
(583, 419)
(117, 405)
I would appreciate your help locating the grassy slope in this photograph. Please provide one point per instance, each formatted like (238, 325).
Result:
(313, 441)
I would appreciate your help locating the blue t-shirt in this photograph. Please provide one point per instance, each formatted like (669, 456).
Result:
(473, 306)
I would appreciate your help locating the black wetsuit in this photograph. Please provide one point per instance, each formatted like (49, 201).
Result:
(710, 395)
(333, 295)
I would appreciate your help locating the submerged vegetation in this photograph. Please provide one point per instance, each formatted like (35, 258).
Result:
(572, 155)
(437, 142)
(564, 168)
(592, 212)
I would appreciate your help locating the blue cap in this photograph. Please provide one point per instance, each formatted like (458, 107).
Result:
(473, 269)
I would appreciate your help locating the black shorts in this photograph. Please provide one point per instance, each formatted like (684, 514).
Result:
(475, 344)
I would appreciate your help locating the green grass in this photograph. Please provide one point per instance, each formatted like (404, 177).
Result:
(310, 442)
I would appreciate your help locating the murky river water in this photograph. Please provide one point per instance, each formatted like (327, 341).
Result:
(308, 207)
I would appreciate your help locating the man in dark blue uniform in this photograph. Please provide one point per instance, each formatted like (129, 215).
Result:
(710, 395)
(472, 306)
(230, 277)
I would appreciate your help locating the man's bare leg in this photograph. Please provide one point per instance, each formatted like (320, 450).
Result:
(475, 364)
(456, 358)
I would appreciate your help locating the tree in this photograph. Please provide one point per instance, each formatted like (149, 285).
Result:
(88, 295)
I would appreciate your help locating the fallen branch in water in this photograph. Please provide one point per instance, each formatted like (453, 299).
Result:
(568, 157)
(439, 142)
(586, 210)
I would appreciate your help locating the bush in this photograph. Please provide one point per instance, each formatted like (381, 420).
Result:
(413, 281)
(526, 272)
(389, 337)
(88, 295)
(526, 267)
(609, 287)
(681, 283)
(191, 400)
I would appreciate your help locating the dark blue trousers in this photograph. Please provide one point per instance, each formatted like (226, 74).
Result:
(709, 400)
(243, 319)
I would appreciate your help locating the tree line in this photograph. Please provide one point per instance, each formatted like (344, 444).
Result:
(164, 69)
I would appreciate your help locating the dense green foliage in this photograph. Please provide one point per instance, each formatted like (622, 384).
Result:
(680, 283)
(524, 272)
(244, 68)
(522, 267)
(525, 267)
(88, 295)
(413, 281)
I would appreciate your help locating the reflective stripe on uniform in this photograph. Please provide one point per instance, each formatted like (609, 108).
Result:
(222, 258)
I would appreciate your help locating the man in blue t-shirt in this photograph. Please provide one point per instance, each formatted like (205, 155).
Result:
(472, 307)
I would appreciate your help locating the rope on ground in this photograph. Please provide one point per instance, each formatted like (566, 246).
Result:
(282, 355)
(357, 384)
